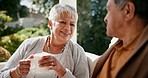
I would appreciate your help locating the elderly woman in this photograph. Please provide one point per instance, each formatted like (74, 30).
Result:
(71, 61)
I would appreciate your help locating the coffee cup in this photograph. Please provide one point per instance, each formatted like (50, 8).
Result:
(35, 65)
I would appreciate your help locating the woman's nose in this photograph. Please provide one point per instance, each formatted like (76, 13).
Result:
(67, 27)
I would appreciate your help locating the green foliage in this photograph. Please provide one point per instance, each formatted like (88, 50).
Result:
(12, 42)
(43, 6)
(13, 8)
(33, 32)
(4, 28)
(4, 54)
(9, 30)
(91, 27)
(4, 18)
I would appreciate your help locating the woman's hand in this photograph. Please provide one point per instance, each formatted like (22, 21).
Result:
(53, 64)
(23, 67)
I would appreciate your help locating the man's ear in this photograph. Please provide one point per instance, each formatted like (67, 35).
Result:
(50, 24)
(129, 11)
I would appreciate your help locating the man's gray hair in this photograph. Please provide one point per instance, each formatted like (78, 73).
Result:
(141, 7)
(121, 3)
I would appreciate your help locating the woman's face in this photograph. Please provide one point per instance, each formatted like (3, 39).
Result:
(63, 28)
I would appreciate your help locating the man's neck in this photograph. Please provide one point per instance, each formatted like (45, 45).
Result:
(134, 29)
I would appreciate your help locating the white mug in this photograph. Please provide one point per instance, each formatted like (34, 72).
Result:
(35, 65)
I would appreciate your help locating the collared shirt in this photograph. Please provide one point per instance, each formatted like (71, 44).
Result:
(117, 58)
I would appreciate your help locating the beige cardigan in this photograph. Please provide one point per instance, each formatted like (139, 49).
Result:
(73, 58)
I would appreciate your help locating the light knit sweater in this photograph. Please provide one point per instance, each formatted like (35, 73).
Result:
(73, 58)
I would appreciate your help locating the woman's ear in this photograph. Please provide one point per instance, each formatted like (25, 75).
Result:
(50, 24)
(129, 11)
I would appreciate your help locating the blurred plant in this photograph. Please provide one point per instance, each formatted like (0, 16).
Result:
(42, 6)
(91, 26)
(4, 54)
(13, 8)
(4, 18)
(12, 42)
(4, 29)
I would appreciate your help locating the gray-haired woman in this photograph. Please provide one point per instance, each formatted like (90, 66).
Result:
(69, 60)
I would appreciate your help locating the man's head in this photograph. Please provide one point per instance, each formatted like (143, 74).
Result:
(141, 7)
(123, 15)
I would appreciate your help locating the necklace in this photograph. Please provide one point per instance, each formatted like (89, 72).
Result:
(48, 44)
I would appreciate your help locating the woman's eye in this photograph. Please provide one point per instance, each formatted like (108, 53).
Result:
(72, 24)
(62, 22)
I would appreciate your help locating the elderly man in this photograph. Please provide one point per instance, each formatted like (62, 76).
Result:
(128, 57)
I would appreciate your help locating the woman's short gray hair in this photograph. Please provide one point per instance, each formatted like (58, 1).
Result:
(58, 10)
